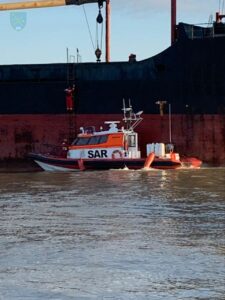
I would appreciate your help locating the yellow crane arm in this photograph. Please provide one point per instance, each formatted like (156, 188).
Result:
(45, 3)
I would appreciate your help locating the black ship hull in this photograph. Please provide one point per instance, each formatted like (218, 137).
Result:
(189, 76)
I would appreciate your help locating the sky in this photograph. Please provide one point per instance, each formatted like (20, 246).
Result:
(141, 27)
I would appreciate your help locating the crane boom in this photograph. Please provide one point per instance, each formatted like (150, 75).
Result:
(46, 3)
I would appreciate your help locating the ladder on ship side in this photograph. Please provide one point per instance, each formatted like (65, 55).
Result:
(71, 97)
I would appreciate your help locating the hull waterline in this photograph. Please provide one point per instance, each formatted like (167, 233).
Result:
(52, 163)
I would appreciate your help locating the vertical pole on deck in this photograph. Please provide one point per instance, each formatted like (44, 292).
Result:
(170, 124)
(173, 20)
(107, 34)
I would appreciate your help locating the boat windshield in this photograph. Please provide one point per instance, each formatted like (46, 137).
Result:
(94, 140)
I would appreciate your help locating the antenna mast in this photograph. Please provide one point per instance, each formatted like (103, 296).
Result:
(130, 118)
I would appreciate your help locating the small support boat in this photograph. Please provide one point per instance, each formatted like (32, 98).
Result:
(113, 148)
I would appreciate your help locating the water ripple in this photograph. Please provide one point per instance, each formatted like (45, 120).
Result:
(113, 235)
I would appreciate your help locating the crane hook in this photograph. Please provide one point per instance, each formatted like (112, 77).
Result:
(98, 54)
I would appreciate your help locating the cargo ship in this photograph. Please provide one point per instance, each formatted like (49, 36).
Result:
(184, 84)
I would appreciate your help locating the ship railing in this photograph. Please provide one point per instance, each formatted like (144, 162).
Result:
(203, 31)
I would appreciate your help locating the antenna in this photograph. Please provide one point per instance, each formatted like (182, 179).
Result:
(131, 119)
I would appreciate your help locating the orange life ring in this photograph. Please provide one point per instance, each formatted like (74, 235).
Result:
(115, 152)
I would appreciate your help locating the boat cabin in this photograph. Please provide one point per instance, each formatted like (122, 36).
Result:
(110, 144)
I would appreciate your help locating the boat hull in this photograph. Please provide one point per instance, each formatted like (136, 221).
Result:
(53, 163)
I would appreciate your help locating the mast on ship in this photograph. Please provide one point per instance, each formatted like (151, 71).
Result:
(131, 119)
(173, 20)
(53, 3)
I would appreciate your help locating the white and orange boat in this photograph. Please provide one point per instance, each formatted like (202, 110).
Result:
(114, 148)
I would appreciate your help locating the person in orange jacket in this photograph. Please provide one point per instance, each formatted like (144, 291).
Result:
(70, 98)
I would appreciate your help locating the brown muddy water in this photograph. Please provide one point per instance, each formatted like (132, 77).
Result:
(113, 235)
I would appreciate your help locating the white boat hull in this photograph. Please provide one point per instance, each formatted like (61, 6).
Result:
(54, 168)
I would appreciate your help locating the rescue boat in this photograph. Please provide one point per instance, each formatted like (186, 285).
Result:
(113, 148)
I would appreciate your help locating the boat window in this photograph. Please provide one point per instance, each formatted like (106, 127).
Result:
(94, 140)
(82, 141)
(75, 141)
(103, 139)
(98, 139)
(131, 141)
